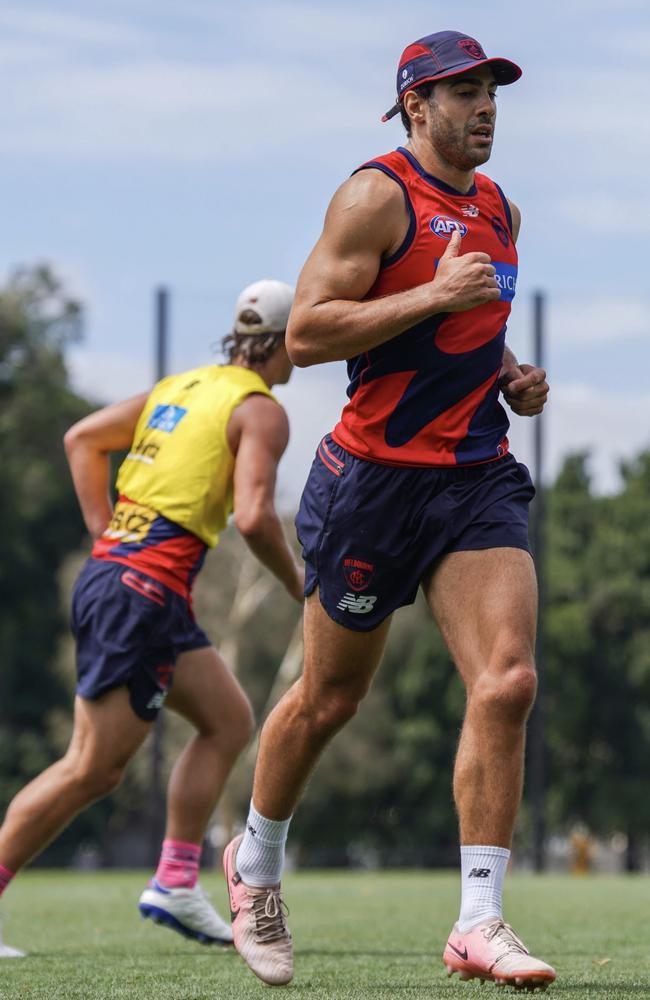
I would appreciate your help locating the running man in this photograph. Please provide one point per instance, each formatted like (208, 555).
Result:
(411, 281)
(201, 444)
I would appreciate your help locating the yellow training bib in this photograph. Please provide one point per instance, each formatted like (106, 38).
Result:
(180, 464)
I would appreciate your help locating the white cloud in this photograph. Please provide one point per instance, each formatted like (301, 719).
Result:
(67, 28)
(602, 212)
(176, 110)
(13, 54)
(283, 84)
(598, 319)
(104, 378)
(611, 426)
(635, 42)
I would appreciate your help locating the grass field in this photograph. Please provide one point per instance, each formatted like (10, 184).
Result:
(357, 936)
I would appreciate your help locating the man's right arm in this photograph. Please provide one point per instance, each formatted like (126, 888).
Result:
(329, 320)
(258, 433)
(88, 444)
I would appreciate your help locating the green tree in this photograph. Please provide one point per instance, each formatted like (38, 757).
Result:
(599, 652)
(38, 513)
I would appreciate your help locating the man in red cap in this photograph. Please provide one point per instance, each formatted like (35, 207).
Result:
(412, 282)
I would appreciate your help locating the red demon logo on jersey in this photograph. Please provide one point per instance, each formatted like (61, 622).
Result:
(358, 574)
(472, 48)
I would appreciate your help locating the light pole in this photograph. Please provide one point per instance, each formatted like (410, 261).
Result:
(157, 791)
(537, 737)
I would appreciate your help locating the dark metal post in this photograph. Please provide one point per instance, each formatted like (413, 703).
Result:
(157, 802)
(537, 741)
(162, 331)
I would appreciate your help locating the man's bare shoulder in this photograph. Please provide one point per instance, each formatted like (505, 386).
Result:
(515, 212)
(368, 206)
(262, 417)
(257, 406)
(369, 191)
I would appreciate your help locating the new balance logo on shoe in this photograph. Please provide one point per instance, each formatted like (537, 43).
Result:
(359, 604)
(480, 873)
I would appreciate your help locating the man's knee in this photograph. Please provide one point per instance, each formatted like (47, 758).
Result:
(241, 726)
(231, 734)
(508, 688)
(95, 781)
(326, 714)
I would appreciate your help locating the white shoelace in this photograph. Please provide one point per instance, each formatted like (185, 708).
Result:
(506, 936)
(270, 911)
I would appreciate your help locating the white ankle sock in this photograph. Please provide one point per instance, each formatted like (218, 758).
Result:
(260, 855)
(483, 870)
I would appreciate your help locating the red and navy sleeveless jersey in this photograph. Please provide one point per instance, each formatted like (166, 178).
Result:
(143, 539)
(430, 396)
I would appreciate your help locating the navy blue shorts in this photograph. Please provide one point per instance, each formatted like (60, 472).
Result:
(129, 629)
(370, 532)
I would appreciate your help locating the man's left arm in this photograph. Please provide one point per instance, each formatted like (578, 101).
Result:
(524, 387)
(258, 434)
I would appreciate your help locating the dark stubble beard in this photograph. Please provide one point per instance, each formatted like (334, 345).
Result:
(452, 142)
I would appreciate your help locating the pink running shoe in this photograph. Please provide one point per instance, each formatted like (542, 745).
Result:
(259, 928)
(492, 950)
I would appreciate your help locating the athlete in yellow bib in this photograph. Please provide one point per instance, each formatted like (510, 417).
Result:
(200, 445)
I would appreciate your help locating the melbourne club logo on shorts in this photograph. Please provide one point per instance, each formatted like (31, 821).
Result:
(358, 574)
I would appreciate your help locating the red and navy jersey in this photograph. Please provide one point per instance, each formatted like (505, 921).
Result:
(430, 396)
(143, 539)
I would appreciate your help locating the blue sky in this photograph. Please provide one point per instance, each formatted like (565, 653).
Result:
(198, 144)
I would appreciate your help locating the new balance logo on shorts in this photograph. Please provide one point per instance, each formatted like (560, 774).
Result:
(480, 873)
(358, 604)
(157, 701)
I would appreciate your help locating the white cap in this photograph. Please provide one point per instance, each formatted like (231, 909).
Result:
(271, 300)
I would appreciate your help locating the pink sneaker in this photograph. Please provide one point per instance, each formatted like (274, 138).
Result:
(492, 950)
(259, 928)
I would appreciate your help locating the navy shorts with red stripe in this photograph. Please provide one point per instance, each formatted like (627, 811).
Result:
(129, 630)
(370, 533)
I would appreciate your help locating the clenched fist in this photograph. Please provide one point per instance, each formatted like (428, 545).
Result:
(467, 280)
(525, 389)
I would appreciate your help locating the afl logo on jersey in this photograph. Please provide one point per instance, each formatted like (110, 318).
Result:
(443, 226)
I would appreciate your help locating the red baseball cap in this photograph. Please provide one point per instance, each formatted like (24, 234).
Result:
(447, 53)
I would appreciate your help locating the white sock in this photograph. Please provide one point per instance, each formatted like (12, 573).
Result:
(260, 855)
(483, 870)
